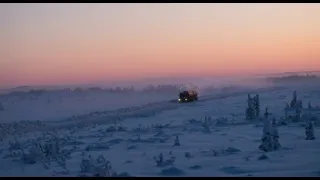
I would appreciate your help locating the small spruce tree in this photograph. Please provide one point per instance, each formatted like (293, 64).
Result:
(257, 105)
(286, 111)
(309, 130)
(294, 99)
(250, 110)
(266, 144)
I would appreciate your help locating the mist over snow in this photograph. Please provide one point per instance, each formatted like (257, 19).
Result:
(144, 131)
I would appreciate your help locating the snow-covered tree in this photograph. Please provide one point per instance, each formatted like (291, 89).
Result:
(257, 105)
(250, 110)
(275, 135)
(205, 125)
(266, 144)
(159, 160)
(295, 103)
(267, 139)
(294, 99)
(286, 111)
(309, 105)
(309, 130)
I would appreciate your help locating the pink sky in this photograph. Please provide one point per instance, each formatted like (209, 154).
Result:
(83, 43)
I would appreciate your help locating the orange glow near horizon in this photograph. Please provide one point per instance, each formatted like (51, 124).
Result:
(83, 43)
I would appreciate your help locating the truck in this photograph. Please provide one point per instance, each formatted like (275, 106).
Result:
(187, 96)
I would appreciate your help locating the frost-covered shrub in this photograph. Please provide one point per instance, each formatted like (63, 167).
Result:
(99, 167)
(206, 125)
(220, 151)
(160, 126)
(253, 109)
(195, 121)
(116, 128)
(15, 145)
(18, 128)
(161, 162)
(45, 150)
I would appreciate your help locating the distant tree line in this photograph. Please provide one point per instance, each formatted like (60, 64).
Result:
(149, 88)
(292, 78)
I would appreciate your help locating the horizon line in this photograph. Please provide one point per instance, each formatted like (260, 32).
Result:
(150, 79)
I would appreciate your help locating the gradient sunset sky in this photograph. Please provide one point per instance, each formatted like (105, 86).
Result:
(84, 43)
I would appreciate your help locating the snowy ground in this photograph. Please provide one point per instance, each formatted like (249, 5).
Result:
(56, 105)
(132, 139)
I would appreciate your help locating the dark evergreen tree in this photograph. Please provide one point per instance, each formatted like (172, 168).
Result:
(266, 140)
(257, 105)
(294, 100)
(309, 130)
(250, 110)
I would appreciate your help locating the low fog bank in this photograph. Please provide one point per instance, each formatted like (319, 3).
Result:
(51, 105)
(208, 84)
(174, 84)
(203, 85)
